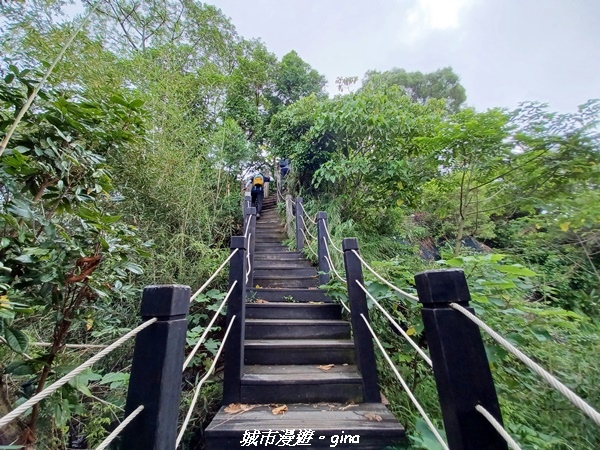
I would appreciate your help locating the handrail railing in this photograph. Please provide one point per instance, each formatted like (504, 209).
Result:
(465, 386)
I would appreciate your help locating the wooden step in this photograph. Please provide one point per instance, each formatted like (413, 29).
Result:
(301, 384)
(280, 310)
(277, 264)
(298, 351)
(285, 256)
(297, 329)
(282, 282)
(283, 274)
(283, 295)
(333, 426)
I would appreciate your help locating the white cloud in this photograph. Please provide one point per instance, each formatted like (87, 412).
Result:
(427, 16)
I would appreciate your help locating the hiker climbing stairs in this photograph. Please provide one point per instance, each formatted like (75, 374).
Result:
(299, 356)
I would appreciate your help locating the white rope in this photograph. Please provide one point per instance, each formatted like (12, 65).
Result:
(499, 428)
(335, 271)
(330, 261)
(310, 219)
(397, 289)
(309, 232)
(197, 391)
(406, 388)
(68, 377)
(331, 240)
(209, 326)
(106, 442)
(247, 227)
(197, 293)
(308, 244)
(248, 259)
(35, 91)
(549, 378)
(345, 307)
(84, 346)
(397, 326)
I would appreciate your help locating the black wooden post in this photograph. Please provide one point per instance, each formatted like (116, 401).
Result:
(321, 250)
(247, 203)
(363, 341)
(234, 346)
(155, 380)
(251, 244)
(460, 366)
(299, 224)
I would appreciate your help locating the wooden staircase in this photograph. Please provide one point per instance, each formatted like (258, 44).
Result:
(298, 352)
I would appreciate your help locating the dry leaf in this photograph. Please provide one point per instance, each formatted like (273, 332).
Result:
(315, 303)
(257, 287)
(326, 367)
(235, 408)
(279, 410)
(349, 405)
(260, 300)
(373, 416)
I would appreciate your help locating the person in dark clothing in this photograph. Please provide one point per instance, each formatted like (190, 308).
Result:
(284, 167)
(257, 192)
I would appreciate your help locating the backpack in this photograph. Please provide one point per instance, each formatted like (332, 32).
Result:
(258, 181)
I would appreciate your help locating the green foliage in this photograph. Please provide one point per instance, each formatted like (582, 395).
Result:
(441, 84)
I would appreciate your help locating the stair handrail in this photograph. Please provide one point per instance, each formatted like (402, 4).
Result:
(410, 394)
(188, 415)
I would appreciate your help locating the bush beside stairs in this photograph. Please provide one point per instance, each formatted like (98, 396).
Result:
(298, 352)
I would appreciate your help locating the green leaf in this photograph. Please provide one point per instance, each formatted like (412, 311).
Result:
(136, 103)
(134, 268)
(16, 339)
(517, 269)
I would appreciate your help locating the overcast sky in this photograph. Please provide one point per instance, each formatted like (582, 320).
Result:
(505, 51)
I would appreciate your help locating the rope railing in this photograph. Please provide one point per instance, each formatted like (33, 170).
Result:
(111, 437)
(335, 271)
(308, 244)
(329, 260)
(396, 325)
(214, 275)
(68, 377)
(199, 385)
(498, 427)
(331, 241)
(549, 378)
(406, 388)
(309, 232)
(310, 219)
(208, 327)
(249, 271)
(383, 280)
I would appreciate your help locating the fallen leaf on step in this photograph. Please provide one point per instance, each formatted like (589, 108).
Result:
(257, 287)
(279, 410)
(373, 416)
(327, 367)
(260, 300)
(349, 405)
(315, 303)
(235, 408)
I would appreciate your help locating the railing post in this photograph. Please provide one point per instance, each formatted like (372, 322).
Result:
(247, 203)
(299, 224)
(234, 346)
(321, 250)
(363, 341)
(155, 380)
(460, 366)
(251, 244)
(289, 215)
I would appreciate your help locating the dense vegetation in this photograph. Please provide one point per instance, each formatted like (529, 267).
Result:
(126, 171)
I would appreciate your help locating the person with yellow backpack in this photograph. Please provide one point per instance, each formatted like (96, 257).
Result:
(257, 192)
